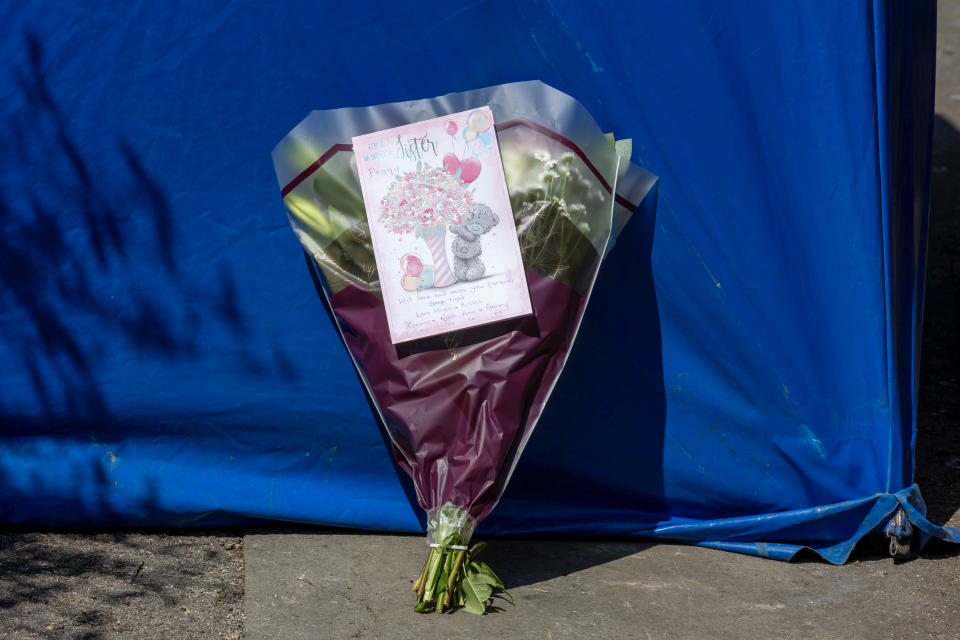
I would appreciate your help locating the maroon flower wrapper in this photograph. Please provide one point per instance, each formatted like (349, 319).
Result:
(459, 407)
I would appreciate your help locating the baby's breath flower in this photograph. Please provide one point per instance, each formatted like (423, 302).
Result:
(577, 208)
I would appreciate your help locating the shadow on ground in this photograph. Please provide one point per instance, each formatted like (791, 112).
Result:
(86, 585)
(938, 448)
(518, 561)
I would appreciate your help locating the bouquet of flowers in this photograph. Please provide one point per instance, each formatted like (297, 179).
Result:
(459, 407)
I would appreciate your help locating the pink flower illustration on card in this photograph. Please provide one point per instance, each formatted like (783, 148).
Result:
(424, 202)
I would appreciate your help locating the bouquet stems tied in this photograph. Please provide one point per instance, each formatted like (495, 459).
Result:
(452, 577)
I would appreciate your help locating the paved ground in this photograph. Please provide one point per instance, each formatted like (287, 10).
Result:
(126, 585)
(302, 586)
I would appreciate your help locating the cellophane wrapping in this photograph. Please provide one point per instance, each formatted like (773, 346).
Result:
(459, 408)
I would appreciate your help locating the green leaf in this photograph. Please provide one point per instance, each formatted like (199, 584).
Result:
(472, 605)
(476, 592)
(477, 548)
(486, 571)
(424, 607)
(484, 578)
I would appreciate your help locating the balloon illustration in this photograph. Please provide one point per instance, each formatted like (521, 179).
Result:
(426, 278)
(451, 163)
(451, 127)
(478, 132)
(410, 283)
(412, 265)
(468, 169)
(478, 121)
(416, 275)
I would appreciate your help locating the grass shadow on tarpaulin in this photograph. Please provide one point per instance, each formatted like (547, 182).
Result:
(93, 294)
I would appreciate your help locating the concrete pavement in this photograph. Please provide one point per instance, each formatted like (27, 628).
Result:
(304, 586)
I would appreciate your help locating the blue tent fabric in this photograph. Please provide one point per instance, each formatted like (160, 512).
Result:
(746, 373)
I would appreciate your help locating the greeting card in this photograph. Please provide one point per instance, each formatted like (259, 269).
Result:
(441, 225)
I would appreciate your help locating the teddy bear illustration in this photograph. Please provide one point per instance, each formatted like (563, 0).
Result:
(466, 248)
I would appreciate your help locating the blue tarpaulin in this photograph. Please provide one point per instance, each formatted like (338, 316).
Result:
(746, 374)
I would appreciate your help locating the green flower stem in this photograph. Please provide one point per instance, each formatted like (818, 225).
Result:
(434, 573)
(455, 573)
(423, 583)
(419, 582)
(443, 597)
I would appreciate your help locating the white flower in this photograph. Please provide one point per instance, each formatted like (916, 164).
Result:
(567, 157)
(552, 164)
(549, 175)
(542, 156)
(584, 227)
(577, 208)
